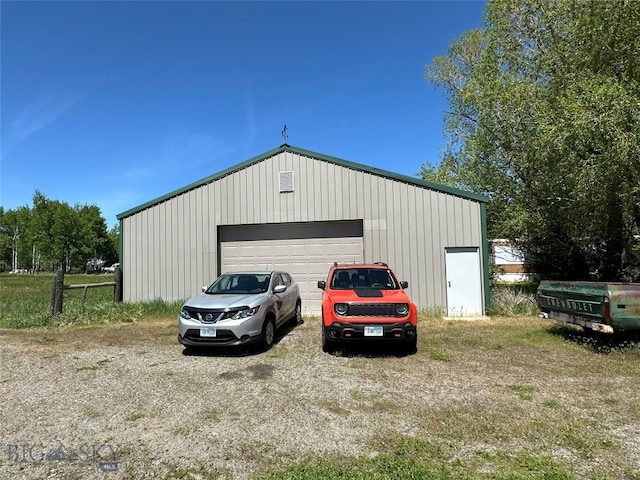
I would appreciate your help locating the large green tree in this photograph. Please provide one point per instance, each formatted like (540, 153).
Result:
(54, 234)
(544, 119)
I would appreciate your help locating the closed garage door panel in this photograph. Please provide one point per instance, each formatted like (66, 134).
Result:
(307, 260)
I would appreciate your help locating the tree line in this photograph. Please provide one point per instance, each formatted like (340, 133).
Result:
(544, 119)
(52, 234)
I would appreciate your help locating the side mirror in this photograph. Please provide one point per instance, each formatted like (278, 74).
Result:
(322, 284)
(204, 289)
(279, 288)
(404, 284)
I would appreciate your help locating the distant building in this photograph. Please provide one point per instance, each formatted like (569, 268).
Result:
(509, 262)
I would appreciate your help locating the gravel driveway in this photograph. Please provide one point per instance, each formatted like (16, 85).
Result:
(126, 402)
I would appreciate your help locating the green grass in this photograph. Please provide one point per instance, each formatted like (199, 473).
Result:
(421, 460)
(25, 301)
(525, 392)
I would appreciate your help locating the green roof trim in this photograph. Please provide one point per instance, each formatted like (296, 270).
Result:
(308, 153)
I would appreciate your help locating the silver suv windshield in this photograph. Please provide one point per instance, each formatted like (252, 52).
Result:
(240, 283)
(353, 278)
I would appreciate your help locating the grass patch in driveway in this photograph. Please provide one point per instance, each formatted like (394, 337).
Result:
(525, 392)
(84, 337)
(420, 459)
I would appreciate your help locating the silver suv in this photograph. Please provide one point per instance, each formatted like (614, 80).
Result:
(240, 308)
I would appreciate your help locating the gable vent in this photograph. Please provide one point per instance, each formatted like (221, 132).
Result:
(286, 182)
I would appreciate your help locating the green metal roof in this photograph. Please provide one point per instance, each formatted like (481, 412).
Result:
(338, 161)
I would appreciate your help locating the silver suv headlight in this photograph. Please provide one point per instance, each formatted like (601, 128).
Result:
(184, 313)
(245, 313)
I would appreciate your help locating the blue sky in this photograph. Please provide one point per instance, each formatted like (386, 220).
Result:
(116, 103)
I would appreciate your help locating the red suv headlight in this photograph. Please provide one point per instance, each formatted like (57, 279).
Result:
(341, 308)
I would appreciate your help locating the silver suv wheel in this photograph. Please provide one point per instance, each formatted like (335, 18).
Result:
(268, 334)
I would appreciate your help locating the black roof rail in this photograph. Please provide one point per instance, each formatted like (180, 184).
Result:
(381, 263)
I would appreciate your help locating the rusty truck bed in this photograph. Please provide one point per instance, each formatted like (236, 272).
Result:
(599, 306)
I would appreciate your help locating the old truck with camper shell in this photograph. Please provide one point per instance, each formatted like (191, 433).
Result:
(599, 306)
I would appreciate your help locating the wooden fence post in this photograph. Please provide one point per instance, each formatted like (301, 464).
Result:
(56, 293)
(117, 290)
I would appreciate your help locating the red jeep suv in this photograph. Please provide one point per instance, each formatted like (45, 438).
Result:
(366, 302)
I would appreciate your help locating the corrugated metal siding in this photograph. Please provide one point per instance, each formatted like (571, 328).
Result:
(170, 248)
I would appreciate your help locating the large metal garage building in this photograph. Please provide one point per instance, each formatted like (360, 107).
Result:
(301, 211)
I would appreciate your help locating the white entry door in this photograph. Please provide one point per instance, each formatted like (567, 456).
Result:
(464, 282)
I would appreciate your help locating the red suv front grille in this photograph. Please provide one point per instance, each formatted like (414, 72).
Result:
(371, 310)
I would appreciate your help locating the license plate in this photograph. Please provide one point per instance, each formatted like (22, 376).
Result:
(208, 332)
(373, 331)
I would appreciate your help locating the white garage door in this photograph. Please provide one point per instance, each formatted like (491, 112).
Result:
(306, 259)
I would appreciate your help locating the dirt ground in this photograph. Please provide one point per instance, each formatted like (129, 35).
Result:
(126, 402)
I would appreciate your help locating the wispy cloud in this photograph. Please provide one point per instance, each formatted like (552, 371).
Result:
(181, 152)
(40, 112)
(179, 160)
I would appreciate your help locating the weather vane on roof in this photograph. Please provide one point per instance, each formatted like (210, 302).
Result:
(284, 134)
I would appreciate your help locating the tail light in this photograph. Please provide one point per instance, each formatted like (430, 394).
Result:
(607, 308)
